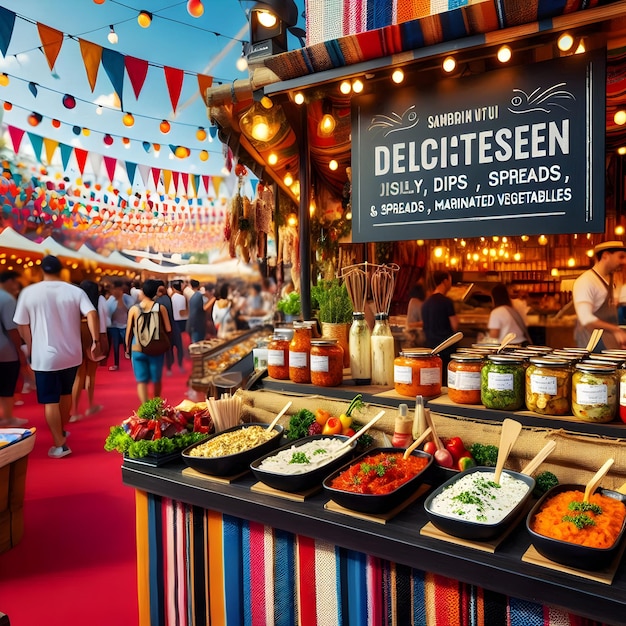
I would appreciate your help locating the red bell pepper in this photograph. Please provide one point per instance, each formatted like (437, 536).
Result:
(455, 447)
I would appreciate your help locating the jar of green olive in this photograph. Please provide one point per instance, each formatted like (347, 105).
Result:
(594, 392)
(548, 386)
(502, 383)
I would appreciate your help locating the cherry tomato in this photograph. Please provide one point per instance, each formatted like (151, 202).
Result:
(348, 432)
(332, 426)
(430, 447)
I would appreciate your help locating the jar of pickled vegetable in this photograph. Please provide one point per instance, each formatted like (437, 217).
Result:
(622, 394)
(326, 363)
(300, 353)
(549, 386)
(278, 357)
(594, 392)
(417, 373)
(502, 382)
(464, 378)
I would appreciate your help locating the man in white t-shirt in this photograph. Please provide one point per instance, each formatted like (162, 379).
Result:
(48, 316)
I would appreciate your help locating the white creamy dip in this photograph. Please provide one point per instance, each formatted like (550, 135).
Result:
(476, 498)
(317, 453)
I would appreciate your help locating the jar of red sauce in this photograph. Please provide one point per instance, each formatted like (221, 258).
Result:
(326, 363)
(300, 353)
(464, 378)
(278, 357)
(417, 373)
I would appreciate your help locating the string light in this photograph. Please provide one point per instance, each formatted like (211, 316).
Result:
(195, 8)
(449, 65)
(504, 54)
(397, 76)
(144, 19)
(112, 36)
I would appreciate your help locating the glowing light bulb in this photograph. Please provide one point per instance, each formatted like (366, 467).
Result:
(345, 87)
(397, 76)
(620, 117)
(333, 165)
(449, 64)
(357, 86)
(272, 159)
(299, 98)
(565, 42)
(504, 54)
(144, 19)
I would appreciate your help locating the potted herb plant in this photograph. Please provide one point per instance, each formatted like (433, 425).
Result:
(289, 306)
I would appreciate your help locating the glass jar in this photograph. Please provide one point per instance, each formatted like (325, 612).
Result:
(502, 383)
(549, 386)
(300, 353)
(360, 345)
(622, 394)
(278, 357)
(383, 352)
(464, 378)
(594, 392)
(417, 373)
(326, 363)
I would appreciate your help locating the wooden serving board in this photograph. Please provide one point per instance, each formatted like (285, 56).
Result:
(604, 576)
(295, 496)
(189, 471)
(379, 518)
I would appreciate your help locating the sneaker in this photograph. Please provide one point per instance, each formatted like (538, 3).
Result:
(13, 422)
(113, 368)
(58, 452)
(94, 409)
(126, 355)
(75, 418)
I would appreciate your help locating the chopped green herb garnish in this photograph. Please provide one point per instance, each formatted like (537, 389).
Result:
(584, 507)
(320, 451)
(299, 457)
(580, 521)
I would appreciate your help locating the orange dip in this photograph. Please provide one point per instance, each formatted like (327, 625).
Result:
(379, 473)
(600, 530)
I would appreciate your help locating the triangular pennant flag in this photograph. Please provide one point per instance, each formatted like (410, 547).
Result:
(185, 178)
(66, 153)
(136, 70)
(206, 181)
(16, 135)
(217, 182)
(144, 171)
(109, 164)
(230, 182)
(7, 21)
(175, 178)
(113, 64)
(213, 132)
(174, 80)
(32, 87)
(204, 83)
(130, 172)
(167, 180)
(254, 183)
(96, 162)
(37, 143)
(51, 145)
(156, 175)
(92, 55)
(81, 159)
(52, 40)
(195, 181)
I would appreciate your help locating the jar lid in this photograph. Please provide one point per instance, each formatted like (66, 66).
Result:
(323, 342)
(505, 359)
(549, 362)
(301, 325)
(621, 353)
(467, 357)
(542, 349)
(417, 353)
(574, 350)
(607, 359)
(358, 315)
(595, 367)
(381, 316)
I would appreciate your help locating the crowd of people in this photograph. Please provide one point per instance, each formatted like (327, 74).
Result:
(55, 335)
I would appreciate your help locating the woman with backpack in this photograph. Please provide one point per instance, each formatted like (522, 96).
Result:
(147, 340)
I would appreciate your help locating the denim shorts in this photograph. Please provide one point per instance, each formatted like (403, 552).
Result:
(147, 368)
(52, 385)
(9, 373)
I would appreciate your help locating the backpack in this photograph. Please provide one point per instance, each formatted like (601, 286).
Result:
(151, 338)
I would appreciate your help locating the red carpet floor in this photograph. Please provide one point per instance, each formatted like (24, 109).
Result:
(76, 564)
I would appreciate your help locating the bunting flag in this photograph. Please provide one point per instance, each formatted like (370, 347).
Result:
(175, 179)
(167, 180)
(137, 69)
(195, 181)
(109, 164)
(16, 135)
(204, 83)
(174, 81)
(92, 55)
(156, 175)
(254, 183)
(51, 146)
(144, 171)
(185, 179)
(7, 22)
(81, 159)
(96, 162)
(130, 172)
(66, 153)
(113, 64)
(32, 87)
(217, 182)
(37, 143)
(206, 180)
(52, 40)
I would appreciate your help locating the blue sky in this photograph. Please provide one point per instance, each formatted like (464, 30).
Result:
(174, 39)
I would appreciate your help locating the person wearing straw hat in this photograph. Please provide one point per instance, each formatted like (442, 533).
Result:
(593, 297)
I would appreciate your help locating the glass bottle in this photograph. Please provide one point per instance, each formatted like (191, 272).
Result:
(383, 351)
(360, 346)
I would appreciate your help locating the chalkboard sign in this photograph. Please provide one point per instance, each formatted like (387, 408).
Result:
(509, 152)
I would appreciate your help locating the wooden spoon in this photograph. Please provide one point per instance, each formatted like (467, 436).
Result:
(506, 340)
(356, 435)
(282, 412)
(592, 485)
(539, 458)
(416, 443)
(510, 432)
(447, 343)
(596, 335)
(442, 456)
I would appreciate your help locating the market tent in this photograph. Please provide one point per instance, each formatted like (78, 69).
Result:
(14, 241)
(50, 246)
(119, 260)
(231, 268)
